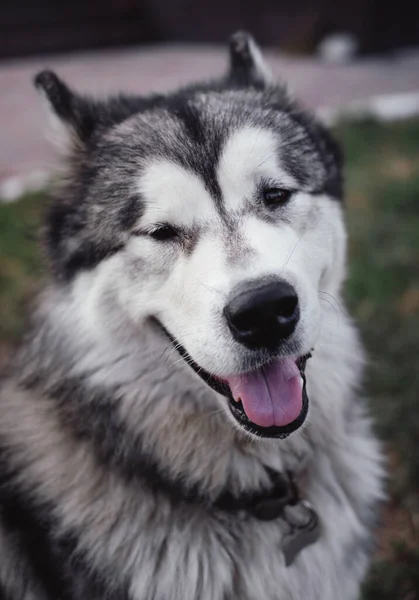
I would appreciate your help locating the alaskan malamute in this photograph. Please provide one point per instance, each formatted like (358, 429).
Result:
(183, 420)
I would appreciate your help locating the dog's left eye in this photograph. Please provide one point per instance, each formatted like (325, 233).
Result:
(164, 233)
(276, 196)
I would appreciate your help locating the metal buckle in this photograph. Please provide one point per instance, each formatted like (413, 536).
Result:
(303, 531)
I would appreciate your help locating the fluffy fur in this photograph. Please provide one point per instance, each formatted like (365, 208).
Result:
(113, 449)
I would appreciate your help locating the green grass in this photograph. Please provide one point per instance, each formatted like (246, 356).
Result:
(382, 172)
(19, 262)
(383, 294)
(383, 286)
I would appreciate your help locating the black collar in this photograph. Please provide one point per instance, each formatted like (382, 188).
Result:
(264, 505)
(281, 501)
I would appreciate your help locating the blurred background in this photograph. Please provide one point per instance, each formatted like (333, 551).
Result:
(35, 26)
(357, 65)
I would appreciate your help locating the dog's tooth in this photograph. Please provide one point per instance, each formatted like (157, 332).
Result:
(302, 382)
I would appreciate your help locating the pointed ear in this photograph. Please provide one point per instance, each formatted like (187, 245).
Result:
(72, 116)
(247, 65)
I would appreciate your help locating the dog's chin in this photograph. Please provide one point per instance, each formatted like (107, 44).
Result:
(281, 372)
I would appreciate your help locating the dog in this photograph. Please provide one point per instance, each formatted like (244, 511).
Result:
(183, 419)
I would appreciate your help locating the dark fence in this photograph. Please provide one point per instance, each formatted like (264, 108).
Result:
(40, 26)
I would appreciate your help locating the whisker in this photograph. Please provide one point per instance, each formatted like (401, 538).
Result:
(332, 305)
(254, 146)
(339, 305)
(211, 289)
(107, 163)
(293, 250)
(266, 159)
(173, 347)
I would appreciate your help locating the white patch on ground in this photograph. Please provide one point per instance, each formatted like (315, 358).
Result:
(385, 107)
(16, 186)
(338, 48)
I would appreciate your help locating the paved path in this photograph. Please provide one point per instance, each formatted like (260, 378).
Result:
(24, 149)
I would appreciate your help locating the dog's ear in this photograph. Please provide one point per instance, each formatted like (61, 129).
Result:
(247, 65)
(72, 115)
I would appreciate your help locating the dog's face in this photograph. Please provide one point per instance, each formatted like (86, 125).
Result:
(214, 213)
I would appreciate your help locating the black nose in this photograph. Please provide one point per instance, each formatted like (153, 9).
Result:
(261, 316)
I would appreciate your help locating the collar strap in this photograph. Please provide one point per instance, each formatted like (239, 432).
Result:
(264, 505)
(283, 501)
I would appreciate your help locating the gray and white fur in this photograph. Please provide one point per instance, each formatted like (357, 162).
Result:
(113, 449)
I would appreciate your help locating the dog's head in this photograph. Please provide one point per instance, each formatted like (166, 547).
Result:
(213, 212)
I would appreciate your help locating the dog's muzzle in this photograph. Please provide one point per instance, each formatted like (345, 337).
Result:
(270, 402)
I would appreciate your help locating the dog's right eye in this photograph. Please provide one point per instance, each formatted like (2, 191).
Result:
(164, 233)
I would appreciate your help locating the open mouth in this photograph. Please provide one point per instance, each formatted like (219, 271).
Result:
(269, 402)
(272, 401)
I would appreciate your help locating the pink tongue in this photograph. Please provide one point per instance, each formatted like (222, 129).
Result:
(272, 395)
